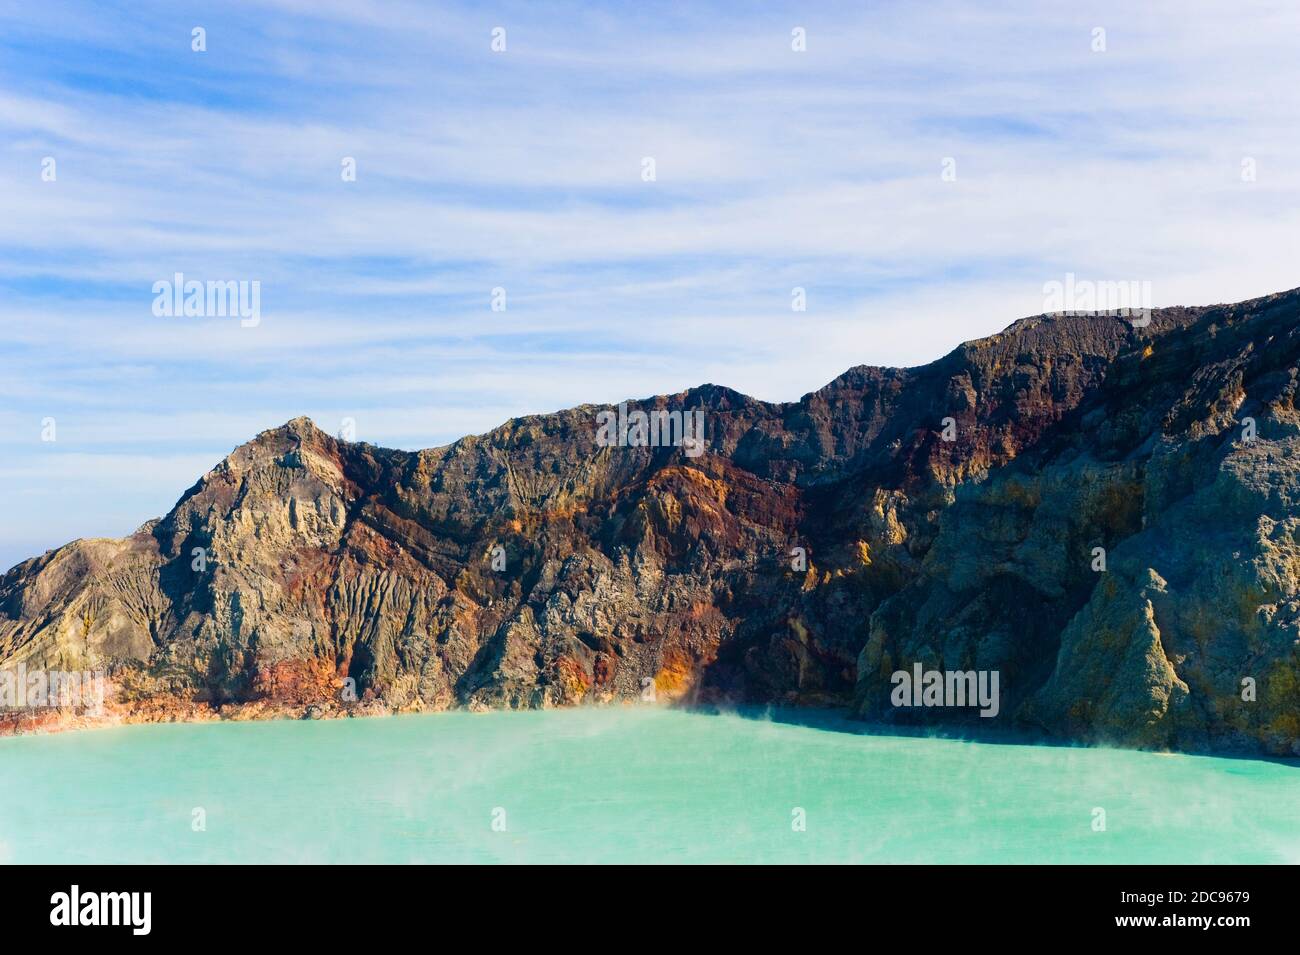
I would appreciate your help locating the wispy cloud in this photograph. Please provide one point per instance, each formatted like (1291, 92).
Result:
(523, 170)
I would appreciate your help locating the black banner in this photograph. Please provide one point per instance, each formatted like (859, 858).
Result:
(139, 905)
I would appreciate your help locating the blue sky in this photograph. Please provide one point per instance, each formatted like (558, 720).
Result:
(523, 170)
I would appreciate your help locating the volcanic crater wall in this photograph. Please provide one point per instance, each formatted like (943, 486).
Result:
(813, 550)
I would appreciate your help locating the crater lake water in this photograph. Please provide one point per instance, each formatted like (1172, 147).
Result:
(622, 785)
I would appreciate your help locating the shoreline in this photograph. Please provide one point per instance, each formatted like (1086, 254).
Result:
(831, 719)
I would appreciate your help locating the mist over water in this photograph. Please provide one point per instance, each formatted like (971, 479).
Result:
(621, 785)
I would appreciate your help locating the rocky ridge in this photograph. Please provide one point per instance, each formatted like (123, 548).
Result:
(814, 549)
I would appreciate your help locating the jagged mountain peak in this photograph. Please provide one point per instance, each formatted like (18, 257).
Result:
(950, 515)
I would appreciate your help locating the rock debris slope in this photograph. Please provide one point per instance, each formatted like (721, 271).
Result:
(531, 567)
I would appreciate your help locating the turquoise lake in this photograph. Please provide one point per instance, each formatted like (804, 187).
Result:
(621, 785)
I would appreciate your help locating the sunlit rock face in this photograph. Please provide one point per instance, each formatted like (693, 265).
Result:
(1104, 515)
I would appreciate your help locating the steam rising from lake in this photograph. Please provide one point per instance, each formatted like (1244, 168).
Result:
(622, 784)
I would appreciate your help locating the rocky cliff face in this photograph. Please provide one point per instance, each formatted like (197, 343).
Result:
(1106, 516)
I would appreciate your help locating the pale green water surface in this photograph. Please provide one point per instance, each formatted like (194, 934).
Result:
(621, 784)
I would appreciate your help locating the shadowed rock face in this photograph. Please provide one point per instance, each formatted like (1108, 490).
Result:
(532, 567)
